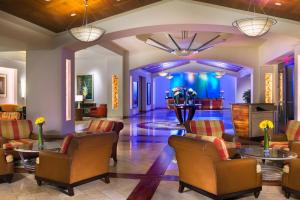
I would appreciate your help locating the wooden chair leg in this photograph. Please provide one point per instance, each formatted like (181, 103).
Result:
(9, 178)
(181, 187)
(106, 179)
(256, 194)
(70, 191)
(39, 182)
(287, 194)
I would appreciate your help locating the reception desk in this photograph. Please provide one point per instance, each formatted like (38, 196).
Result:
(246, 118)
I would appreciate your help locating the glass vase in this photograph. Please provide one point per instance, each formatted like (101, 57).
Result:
(40, 137)
(266, 140)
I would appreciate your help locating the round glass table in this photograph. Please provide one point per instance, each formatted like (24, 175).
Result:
(28, 156)
(272, 161)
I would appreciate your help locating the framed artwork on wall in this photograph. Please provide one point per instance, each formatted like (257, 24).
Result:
(148, 93)
(135, 95)
(85, 86)
(3, 79)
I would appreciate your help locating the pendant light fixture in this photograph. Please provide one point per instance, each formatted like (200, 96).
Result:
(255, 26)
(86, 32)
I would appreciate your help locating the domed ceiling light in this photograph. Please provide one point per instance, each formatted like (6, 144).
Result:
(184, 45)
(220, 74)
(162, 73)
(86, 32)
(169, 76)
(255, 26)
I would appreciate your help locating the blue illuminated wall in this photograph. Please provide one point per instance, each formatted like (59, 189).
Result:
(205, 84)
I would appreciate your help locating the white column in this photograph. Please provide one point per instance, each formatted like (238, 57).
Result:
(297, 83)
(46, 89)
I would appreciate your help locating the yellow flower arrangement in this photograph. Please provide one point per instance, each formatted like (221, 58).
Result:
(266, 124)
(40, 120)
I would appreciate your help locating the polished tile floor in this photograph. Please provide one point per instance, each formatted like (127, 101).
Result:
(145, 167)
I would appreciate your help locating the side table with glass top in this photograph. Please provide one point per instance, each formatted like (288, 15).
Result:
(28, 164)
(272, 161)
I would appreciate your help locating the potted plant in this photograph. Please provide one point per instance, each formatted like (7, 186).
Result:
(247, 96)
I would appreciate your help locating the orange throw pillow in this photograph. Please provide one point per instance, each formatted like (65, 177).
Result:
(66, 143)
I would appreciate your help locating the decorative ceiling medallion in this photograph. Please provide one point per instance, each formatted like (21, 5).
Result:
(184, 43)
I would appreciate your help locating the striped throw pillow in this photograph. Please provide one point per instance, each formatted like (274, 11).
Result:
(207, 127)
(66, 143)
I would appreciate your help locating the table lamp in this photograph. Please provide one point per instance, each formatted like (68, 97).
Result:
(78, 98)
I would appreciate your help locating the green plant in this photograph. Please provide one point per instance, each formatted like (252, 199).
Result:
(247, 96)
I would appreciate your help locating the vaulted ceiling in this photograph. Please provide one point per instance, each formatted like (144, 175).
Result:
(55, 14)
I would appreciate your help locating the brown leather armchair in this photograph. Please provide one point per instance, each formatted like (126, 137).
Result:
(6, 168)
(291, 173)
(87, 159)
(201, 169)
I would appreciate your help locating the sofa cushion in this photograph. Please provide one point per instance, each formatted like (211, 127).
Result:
(207, 127)
(281, 145)
(218, 142)
(66, 143)
(21, 143)
(9, 107)
(104, 126)
(293, 130)
(15, 129)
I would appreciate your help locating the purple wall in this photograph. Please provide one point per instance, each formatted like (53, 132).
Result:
(161, 86)
(228, 85)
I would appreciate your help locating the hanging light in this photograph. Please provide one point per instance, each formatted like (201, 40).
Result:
(162, 73)
(169, 76)
(255, 26)
(86, 32)
(220, 74)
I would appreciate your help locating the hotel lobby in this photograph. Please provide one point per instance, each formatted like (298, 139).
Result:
(149, 99)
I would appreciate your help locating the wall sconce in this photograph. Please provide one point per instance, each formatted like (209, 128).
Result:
(115, 92)
(268, 87)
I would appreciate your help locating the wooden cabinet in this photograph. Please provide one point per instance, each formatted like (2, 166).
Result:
(246, 118)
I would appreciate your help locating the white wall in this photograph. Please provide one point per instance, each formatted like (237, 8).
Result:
(12, 60)
(98, 68)
(102, 67)
(228, 85)
(243, 84)
(11, 86)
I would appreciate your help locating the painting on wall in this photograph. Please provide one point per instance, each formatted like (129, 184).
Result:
(85, 86)
(148, 93)
(2, 85)
(135, 95)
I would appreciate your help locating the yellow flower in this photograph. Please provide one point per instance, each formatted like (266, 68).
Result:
(40, 120)
(266, 124)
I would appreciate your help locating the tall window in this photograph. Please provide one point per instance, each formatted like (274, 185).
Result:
(68, 91)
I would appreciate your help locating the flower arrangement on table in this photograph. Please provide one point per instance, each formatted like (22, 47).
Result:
(190, 95)
(85, 91)
(177, 93)
(40, 121)
(266, 125)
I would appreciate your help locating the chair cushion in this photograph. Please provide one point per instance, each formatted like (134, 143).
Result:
(21, 143)
(103, 126)
(15, 129)
(218, 142)
(233, 145)
(9, 107)
(293, 130)
(207, 127)
(66, 143)
(281, 145)
(10, 116)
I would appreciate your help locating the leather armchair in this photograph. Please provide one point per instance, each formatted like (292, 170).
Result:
(6, 168)
(207, 174)
(291, 173)
(98, 112)
(87, 159)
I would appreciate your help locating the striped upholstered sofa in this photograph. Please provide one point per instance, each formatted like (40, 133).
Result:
(16, 133)
(106, 126)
